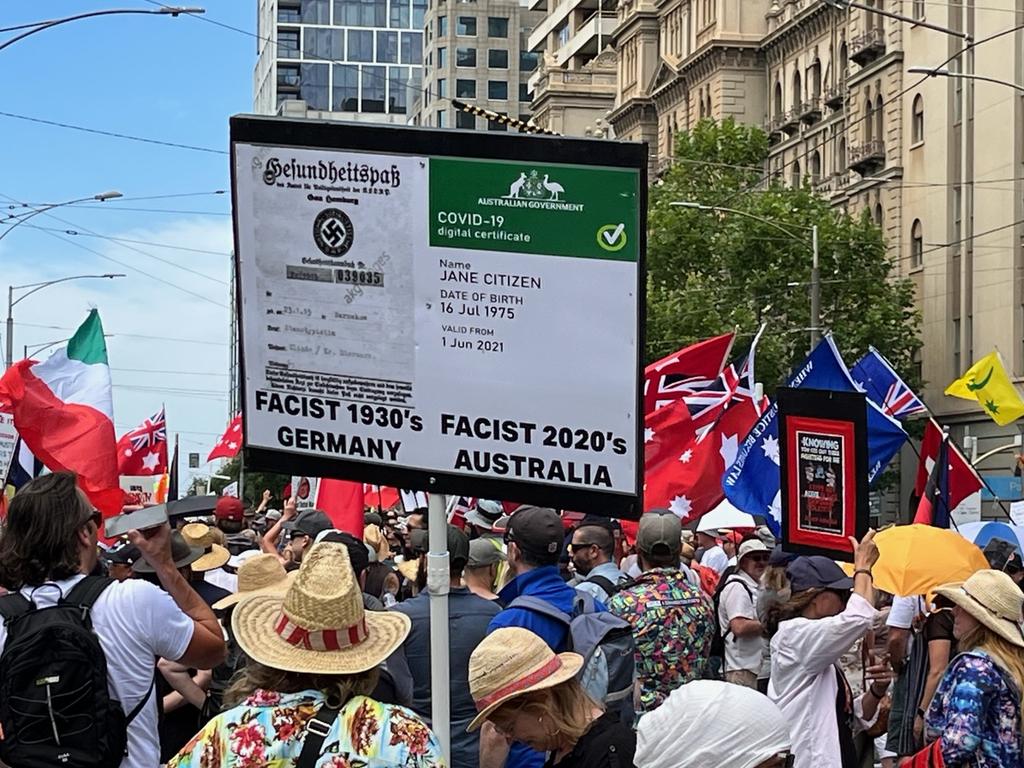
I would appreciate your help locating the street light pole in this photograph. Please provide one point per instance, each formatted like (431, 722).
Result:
(943, 72)
(11, 302)
(43, 25)
(815, 283)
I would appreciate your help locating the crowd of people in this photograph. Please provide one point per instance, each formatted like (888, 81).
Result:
(245, 637)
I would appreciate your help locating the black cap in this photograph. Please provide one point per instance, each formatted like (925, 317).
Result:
(358, 554)
(372, 518)
(817, 572)
(538, 532)
(312, 522)
(458, 548)
(182, 553)
(122, 553)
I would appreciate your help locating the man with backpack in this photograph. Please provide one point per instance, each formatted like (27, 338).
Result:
(592, 549)
(741, 635)
(78, 652)
(672, 620)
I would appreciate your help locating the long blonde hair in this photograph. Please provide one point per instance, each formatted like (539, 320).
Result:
(566, 706)
(1009, 657)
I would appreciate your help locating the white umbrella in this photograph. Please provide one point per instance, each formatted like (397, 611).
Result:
(725, 515)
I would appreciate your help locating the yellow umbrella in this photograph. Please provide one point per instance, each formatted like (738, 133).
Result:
(914, 559)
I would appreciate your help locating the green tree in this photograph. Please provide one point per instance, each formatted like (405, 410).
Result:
(254, 483)
(709, 272)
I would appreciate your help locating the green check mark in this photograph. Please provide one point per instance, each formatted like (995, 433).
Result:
(612, 237)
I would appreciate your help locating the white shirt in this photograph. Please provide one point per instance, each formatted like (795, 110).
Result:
(904, 611)
(735, 602)
(715, 559)
(135, 622)
(803, 681)
(221, 578)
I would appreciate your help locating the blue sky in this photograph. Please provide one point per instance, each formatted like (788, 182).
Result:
(171, 79)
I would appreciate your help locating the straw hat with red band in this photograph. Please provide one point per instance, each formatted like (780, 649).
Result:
(319, 625)
(511, 662)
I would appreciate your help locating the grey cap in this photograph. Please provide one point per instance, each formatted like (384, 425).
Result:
(659, 530)
(312, 522)
(482, 553)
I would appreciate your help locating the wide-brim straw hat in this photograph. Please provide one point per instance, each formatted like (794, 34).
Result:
(319, 625)
(994, 599)
(512, 662)
(201, 536)
(261, 574)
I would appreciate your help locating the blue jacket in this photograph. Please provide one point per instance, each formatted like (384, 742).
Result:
(545, 583)
(468, 617)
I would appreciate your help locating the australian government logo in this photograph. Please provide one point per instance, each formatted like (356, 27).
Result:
(535, 191)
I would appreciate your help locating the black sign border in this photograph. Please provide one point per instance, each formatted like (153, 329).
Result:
(837, 406)
(409, 140)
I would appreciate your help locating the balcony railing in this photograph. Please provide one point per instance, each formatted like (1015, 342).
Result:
(810, 111)
(868, 47)
(835, 95)
(868, 157)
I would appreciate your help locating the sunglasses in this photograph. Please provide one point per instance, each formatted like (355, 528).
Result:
(95, 517)
(580, 545)
(759, 558)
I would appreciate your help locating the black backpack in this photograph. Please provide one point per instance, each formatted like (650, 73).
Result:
(719, 639)
(55, 708)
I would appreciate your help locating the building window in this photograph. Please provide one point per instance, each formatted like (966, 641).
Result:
(918, 9)
(387, 47)
(374, 83)
(465, 57)
(323, 44)
(917, 120)
(316, 11)
(465, 89)
(346, 88)
(360, 45)
(497, 58)
(287, 43)
(527, 61)
(361, 13)
(879, 119)
(524, 92)
(399, 14)
(497, 90)
(869, 120)
(442, 58)
(442, 88)
(442, 118)
(778, 99)
(466, 26)
(843, 61)
(419, 10)
(494, 125)
(797, 93)
(957, 216)
(841, 155)
(815, 79)
(288, 76)
(795, 179)
(879, 215)
(916, 245)
(290, 14)
(814, 167)
(442, 26)
(497, 26)
(956, 345)
(465, 120)
(313, 89)
(398, 89)
(412, 49)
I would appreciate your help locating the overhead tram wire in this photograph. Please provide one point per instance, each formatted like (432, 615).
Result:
(127, 335)
(128, 240)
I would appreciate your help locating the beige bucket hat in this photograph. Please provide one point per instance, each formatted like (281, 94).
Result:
(201, 536)
(319, 625)
(994, 599)
(513, 661)
(259, 575)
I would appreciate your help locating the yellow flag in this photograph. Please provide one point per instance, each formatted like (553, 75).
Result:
(987, 382)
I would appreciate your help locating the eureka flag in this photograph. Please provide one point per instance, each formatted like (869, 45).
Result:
(753, 482)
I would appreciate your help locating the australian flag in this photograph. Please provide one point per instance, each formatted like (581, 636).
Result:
(753, 482)
(883, 385)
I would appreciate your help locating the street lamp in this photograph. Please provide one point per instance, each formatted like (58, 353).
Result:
(34, 287)
(102, 197)
(844, 4)
(944, 72)
(39, 26)
(815, 283)
(37, 348)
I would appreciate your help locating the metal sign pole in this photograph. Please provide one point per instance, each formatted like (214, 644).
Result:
(438, 581)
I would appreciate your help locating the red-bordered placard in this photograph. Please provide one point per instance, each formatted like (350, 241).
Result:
(823, 451)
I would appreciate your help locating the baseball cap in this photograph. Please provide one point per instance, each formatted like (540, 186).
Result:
(358, 554)
(817, 572)
(312, 522)
(483, 553)
(749, 547)
(458, 548)
(538, 532)
(122, 553)
(780, 557)
(372, 518)
(659, 529)
(229, 508)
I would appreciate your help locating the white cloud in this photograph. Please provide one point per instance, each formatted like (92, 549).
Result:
(195, 387)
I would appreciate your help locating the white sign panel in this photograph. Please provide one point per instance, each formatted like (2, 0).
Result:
(968, 510)
(141, 489)
(8, 442)
(456, 319)
(305, 489)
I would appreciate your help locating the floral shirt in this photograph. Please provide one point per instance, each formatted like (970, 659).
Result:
(673, 627)
(976, 714)
(266, 731)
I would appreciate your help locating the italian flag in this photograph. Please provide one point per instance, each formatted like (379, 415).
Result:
(63, 410)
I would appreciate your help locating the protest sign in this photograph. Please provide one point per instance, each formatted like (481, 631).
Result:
(8, 444)
(193, 461)
(454, 316)
(140, 489)
(304, 489)
(823, 459)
